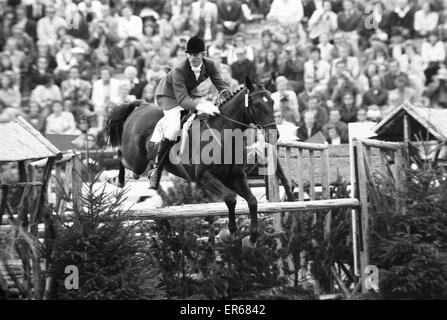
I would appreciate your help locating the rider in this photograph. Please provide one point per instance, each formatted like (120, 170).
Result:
(184, 88)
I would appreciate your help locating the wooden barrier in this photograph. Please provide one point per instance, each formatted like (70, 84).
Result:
(220, 209)
(364, 189)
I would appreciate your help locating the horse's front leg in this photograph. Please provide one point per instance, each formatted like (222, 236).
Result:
(240, 185)
(214, 185)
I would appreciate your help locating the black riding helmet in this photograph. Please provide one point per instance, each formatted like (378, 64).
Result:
(195, 45)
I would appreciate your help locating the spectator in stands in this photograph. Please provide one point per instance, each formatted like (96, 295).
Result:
(230, 16)
(77, 25)
(35, 9)
(269, 67)
(378, 52)
(91, 9)
(200, 9)
(352, 63)
(9, 92)
(225, 72)
(243, 67)
(376, 95)
(348, 110)
(405, 93)
(136, 86)
(340, 126)
(426, 19)
(322, 21)
(327, 49)
(149, 92)
(65, 58)
(389, 78)
(433, 53)
(43, 94)
(221, 47)
(317, 71)
(283, 92)
(35, 117)
(303, 97)
(27, 25)
(287, 130)
(309, 127)
(239, 42)
(333, 137)
(48, 26)
(59, 121)
(286, 11)
(437, 89)
(77, 90)
(402, 19)
(38, 72)
(350, 21)
(129, 25)
(321, 114)
(104, 91)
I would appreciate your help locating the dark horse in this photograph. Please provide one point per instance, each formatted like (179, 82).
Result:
(130, 127)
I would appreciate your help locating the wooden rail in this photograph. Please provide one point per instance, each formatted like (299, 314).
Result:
(220, 209)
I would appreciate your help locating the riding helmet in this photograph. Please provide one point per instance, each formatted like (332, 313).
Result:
(195, 45)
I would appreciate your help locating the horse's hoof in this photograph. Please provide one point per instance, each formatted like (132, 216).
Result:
(226, 236)
(247, 244)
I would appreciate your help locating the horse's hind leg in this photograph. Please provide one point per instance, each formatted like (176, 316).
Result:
(214, 185)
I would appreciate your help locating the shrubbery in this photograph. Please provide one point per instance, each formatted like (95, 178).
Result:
(409, 245)
(206, 269)
(113, 257)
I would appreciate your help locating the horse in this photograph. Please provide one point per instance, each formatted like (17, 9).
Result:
(130, 126)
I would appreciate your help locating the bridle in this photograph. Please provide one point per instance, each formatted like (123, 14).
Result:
(248, 110)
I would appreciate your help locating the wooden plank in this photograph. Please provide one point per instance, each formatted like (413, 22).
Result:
(326, 191)
(304, 145)
(392, 146)
(300, 175)
(22, 184)
(76, 183)
(362, 187)
(220, 209)
(312, 175)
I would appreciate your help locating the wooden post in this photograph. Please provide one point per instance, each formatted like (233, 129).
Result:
(406, 137)
(300, 175)
(364, 224)
(77, 183)
(326, 191)
(273, 193)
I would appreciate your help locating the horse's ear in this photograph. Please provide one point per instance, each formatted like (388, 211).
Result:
(248, 83)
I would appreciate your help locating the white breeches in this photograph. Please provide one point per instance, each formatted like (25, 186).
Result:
(172, 123)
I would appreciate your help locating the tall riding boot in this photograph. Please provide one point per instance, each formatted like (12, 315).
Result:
(163, 153)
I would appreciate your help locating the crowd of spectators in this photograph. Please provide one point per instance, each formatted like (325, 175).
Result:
(64, 63)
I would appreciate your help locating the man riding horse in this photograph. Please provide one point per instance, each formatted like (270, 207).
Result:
(183, 88)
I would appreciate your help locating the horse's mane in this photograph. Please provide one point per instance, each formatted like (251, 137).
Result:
(233, 94)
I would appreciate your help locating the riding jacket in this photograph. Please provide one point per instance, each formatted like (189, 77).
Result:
(180, 87)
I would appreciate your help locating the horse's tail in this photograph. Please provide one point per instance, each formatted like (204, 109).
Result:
(115, 121)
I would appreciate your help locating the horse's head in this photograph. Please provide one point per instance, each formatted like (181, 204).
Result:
(259, 105)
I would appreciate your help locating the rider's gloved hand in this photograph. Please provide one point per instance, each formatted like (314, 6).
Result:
(207, 107)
